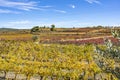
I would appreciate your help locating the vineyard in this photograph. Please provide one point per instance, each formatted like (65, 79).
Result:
(81, 59)
(59, 40)
(50, 62)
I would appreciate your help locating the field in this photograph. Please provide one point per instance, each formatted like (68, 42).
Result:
(63, 54)
(57, 35)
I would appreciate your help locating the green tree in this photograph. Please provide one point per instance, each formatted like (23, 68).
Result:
(52, 27)
(99, 26)
(35, 29)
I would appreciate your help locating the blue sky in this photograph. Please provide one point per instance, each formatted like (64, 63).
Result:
(62, 13)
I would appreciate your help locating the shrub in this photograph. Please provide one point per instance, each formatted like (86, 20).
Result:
(109, 58)
(35, 38)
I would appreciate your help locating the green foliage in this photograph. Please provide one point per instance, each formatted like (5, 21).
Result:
(35, 29)
(99, 26)
(116, 33)
(109, 56)
(52, 27)
(35, 38)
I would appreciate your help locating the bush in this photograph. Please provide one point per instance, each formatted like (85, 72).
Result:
(35, 38)
(109, 58)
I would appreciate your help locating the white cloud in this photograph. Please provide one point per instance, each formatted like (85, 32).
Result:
(16, 24)
(72, 6)
(19, 5)
(93, 1)
(19, 22)
(73, 23)
(65, 23)
(60, 11)
(8, 11)
(5, 11)
(45, 6)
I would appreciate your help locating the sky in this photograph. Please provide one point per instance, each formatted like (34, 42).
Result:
(23, 14)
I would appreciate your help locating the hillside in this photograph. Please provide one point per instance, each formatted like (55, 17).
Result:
(8, 29)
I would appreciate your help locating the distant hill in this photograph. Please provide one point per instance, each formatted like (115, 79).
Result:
(14, 31)
(8, 29)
